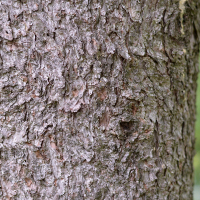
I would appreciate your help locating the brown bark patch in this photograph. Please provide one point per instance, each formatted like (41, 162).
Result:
(28, 182)
(102, 94)
(105, 119)
(38, 154)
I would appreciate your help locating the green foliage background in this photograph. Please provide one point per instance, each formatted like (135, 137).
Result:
(197, 134)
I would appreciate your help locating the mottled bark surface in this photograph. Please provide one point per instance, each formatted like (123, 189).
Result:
(97, 99)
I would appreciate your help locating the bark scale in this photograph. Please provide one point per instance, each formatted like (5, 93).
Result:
(97, 99)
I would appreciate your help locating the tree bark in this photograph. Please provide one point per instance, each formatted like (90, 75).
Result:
(97, 99)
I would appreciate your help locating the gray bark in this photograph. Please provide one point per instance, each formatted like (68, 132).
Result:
(97, 99)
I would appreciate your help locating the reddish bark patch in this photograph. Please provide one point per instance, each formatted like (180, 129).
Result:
(75, 93)
(53, 145)
(134, 109)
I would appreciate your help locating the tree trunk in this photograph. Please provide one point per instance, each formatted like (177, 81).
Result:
(97, 99)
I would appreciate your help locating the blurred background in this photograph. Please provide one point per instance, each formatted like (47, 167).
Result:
(197, 146)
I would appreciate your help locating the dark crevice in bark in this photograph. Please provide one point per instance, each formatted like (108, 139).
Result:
(156, 138)
(129, 128)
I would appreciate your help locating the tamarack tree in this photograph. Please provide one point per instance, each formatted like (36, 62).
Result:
(97, 99)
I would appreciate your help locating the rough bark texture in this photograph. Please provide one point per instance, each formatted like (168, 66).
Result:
(97, 99)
